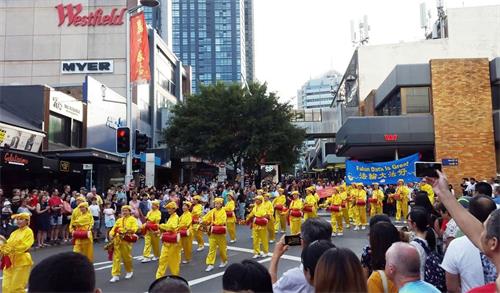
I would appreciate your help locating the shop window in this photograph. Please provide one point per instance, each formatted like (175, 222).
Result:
(59, 129)
(417, 100)
(76, 134)
(391, 107)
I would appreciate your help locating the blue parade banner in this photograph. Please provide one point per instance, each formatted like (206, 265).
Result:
(382, 173)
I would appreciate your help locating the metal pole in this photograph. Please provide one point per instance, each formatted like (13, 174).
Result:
(396, 154)
(128, 172)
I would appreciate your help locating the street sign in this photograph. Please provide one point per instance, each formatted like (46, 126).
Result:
(449, 162)
(87, 166)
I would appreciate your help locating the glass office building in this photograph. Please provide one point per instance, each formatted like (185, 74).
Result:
(210, 36)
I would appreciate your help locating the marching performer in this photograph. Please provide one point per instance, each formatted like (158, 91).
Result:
(360, 202)
(186, 231)
(152, 233)
(280, 212)
(295, 213)
(76, 212)
(309, 204)
(216, 220)
(345, 205)
(271, 235)
(352, 192)
(316, 197)
(376, 200)
(401, 198)
(16, 259)
(122, 238)
(258, 218)
(424, 186)
(231, 218)
(81, 230)
(197, 214)
(334, 205)
(170, 250)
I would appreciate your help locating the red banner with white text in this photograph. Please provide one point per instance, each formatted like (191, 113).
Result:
(139, 50)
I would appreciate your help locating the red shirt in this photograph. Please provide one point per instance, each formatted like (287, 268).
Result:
(488, 288)
(55, 201)
(33, 200)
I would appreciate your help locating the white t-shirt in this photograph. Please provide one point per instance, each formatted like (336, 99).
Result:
(293, 281)
(94, 210)
(109, 214)
(462, 258)
(421, 253)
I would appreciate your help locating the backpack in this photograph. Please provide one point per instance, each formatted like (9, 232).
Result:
(433, 272)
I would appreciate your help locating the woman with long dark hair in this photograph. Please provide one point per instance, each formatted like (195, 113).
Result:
(418, 221)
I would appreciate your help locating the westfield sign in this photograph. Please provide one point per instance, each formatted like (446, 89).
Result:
(73, 15)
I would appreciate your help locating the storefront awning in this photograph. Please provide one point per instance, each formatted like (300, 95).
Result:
(86, 156)
(20, 160)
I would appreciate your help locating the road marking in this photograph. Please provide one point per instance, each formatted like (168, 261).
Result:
(108, 262)
(241, 249)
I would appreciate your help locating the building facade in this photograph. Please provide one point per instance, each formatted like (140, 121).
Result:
(210, 37)
(318, 93)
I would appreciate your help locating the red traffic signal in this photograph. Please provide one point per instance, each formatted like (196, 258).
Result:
(123, 140)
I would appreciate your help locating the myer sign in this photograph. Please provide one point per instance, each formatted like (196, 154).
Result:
(86, 66)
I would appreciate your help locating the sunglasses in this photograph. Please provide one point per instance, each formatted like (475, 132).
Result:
(166, 278)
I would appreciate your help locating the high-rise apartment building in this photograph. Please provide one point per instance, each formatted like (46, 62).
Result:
(210, 35)
(160, 18)
(249, 40)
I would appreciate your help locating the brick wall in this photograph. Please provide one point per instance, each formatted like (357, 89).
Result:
(461, 101)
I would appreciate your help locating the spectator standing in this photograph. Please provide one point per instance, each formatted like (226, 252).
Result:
(95, 210)
(55, 204)
(66, 216)
(143, 207)
(496, 197)
(311, 255)
(24, 207)
(109, 218)
(424, 239)
(247, 276)
(43, 219)
(366, 255)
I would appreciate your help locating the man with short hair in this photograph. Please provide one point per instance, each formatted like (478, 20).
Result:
(471, 187)
(63, 272)
(402, 267)
(294, 279)
(55, 204)
(483, 188)
(310, 256)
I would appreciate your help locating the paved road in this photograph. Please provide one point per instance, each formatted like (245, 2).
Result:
(199, 280)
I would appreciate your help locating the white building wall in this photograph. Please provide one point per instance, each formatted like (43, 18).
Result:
(474, 32)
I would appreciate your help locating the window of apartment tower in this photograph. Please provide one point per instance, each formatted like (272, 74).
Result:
(415, 100)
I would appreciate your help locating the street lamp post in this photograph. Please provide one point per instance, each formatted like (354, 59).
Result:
(144, 3)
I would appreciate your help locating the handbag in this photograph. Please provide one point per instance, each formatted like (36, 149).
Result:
(261, 221)
(170, 237)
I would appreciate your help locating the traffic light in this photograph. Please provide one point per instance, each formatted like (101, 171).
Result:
(141, 142)
(136, 164)
(123, 140)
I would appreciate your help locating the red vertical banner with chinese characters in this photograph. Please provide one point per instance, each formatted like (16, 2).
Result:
(139, 50)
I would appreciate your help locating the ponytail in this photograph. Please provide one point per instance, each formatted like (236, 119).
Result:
(430, 237)
(421, 218)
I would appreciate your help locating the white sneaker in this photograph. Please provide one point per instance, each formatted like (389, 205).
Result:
(404, 222)
(200, 248)
(223, 264)
(184, 261)
(262, 254)
(146, 260)
(340, 234)
(209, 268)
(363, 227)
(114, 279)
(356, 228)
(334, 234)
(154, 258)
(270, 254)
(232, 241)
(271, 241)
(129, 275)
(106, 240)
(256, 256)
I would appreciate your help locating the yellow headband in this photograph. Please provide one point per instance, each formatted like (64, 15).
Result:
(267, 194)
(155, 203)
(81, 198)
(83, 204)
(259, 197)
(171, 205)
(21, 216)
(295, 192)
(219, 200)
(127, 207)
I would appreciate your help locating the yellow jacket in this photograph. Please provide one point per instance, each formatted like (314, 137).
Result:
(124, 225)
(229, 207)
(258, 211)
(379, 195)
(17, 247)
(186, 220)
(280, 200)
(74, 214)
(343, 196)
(216, 217)
(296, 204)
(403, 192)
(310, 200)
(83, 221)
(430, 193)
(197, 215)
(334, 199)
(154, 216)
(316, 197)
(269, 208)
(360, 194)
(172, 223)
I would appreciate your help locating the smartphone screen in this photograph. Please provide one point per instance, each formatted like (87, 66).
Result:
(427, 169)
(292, 240)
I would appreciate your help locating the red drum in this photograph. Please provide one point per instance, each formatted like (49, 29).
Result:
(360, 202)
(308, 209)
(279, 207)
(184, 232)
(170, 237)
(219, 230)
(296, 213)
(334, 208)
(373, 200)
(81, 234)
(229, 214)
(152, 226)
(261, 221)
(132, 238)
(397, 197)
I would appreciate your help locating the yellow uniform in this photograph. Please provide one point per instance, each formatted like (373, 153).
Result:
(316, 198)
(402, 202)
(351, 201)
(295, 222)
(335, 200)
(376, 207)
(152, 238)
(197, 215)
(280, 216)
(259, 233)
(231, 219)
(74, 214)
(170, 252)
(185, 222)
(216, 217)
(360, 219)
(83, 221)
(122, 249)
(310, 201)
(428, 188)
(270, 225)
(15, 277)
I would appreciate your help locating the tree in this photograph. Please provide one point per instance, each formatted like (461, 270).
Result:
(226, 122)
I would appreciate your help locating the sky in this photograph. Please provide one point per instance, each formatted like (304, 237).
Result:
(296, 40)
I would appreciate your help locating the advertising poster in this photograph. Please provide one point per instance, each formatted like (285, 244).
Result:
(20, 139)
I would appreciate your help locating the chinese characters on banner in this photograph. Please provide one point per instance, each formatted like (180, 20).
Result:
(139, 50)
(383, 173)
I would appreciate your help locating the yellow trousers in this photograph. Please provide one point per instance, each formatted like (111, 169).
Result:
(360, 219)
(280, 223)
(216, 241)
(308, 215)
(187, 246)
(170, 257)
(353, 211)
(198, 236)
(122, 252)
(231, 230)
(375, 209)
(85, 247)
(345, 213)
(259, 236)
(15, 279)
(271, 235)
(295, 223)
(151, 240)
(401, 207)
(336, 221)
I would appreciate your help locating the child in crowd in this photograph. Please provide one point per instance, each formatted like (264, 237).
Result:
(109, 218)
(95, 210)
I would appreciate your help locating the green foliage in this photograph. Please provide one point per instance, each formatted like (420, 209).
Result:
(228, 123)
